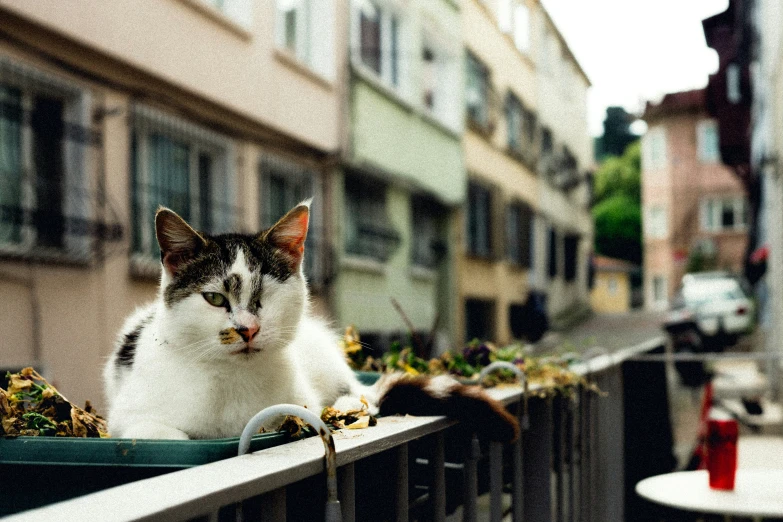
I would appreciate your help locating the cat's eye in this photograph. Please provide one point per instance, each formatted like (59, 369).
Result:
(258, 304)
(215, 299)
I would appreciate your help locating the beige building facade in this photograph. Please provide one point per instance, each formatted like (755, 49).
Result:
(694, 209)
(228, 112)
(611, 291)
(526, 224)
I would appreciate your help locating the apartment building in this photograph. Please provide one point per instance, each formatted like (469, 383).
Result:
(403, 175)
(526, 224)
(694, 209)
(565, 225)
(228, 112)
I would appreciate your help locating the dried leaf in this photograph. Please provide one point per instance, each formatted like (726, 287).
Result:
(33, 407)
(361, 423)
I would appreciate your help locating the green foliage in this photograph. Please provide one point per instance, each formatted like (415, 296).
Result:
(617, 133)
(618, 228)
(617, 210)
(700, 261)
(620, 175)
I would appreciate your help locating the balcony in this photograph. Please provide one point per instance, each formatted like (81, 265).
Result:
(571, 463)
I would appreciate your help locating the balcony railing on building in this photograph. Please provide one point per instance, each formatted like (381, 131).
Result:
(577, 452)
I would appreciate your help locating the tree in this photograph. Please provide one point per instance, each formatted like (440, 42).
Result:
(617, 133)
(617, 207)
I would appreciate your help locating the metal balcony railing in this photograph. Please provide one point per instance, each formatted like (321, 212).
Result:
(568, 465)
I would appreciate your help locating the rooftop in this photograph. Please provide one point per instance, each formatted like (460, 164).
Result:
(676, 102)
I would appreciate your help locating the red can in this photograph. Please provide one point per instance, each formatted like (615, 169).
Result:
(722, 453)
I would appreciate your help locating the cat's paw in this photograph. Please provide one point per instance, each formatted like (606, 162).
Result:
(152, 430)
(349, 402)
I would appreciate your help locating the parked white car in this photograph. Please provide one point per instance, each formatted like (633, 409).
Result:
(717, 302)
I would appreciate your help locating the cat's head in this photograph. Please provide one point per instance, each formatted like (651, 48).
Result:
(231, 296)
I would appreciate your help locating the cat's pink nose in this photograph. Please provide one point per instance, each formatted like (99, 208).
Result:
(248, 332)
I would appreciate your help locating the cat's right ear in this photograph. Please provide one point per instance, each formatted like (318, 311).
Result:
(178, 241)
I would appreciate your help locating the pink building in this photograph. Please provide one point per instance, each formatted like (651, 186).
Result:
(693, 207)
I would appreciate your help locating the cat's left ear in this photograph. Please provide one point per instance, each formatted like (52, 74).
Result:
(288, 235)
(179, 242)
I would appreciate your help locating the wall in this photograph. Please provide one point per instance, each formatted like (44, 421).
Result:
(180, 41)
(605, 300)
(393, 138)
(489, 163)
(413, 149)
(116, 57)
(680, 186)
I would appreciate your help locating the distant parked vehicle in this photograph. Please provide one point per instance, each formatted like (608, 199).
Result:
(718, 303)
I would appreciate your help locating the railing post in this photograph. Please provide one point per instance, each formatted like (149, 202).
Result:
(571, 454)
(558, 455)
(496, 481)
(273, 506)
(401, 494)
(347, 482)
(517, 491)
(471, 480)
(537, 447)
(439, 479)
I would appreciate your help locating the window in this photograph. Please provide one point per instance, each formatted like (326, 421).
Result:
(377, 30)
(367, 228)
(427, 245)
(519, 234)
(181, 166)
(571, 251)
(439, 73)
(505, 18)
(656, 226)
(477, 92)
(515, 20)
(521, 128)
(733, 92)
(284, 185)
(522, 28)
(659, 289)
(707, 141)
(479, 320)
(612, 285)
(654, 148)
(547, 165)
(44, 202)
(552, 253)
(514, 123)
(723, 214)
(479, 231)
(305, 28)
(429, 76)
(239, 11)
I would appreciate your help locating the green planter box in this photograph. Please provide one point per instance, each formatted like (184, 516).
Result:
(36, 471)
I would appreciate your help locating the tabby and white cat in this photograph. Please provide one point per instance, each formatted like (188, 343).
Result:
(230, 333)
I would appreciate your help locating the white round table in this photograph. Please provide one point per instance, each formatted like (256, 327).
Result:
(757, 493)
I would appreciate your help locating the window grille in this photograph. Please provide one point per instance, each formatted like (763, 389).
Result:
(52, 199)
(571, 250)
(519, 234)
(477, 92)
(427, 245)
(480, 220)
(184, 167)
(368, 231)
(284, 184)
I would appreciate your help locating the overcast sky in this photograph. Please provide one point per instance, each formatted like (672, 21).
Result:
(636, 50)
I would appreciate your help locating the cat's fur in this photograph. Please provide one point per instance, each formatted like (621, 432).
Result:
(184, 368)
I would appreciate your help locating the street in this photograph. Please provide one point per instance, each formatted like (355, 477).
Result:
(610, 331)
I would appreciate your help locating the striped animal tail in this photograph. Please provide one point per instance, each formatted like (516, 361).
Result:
(443, 395)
